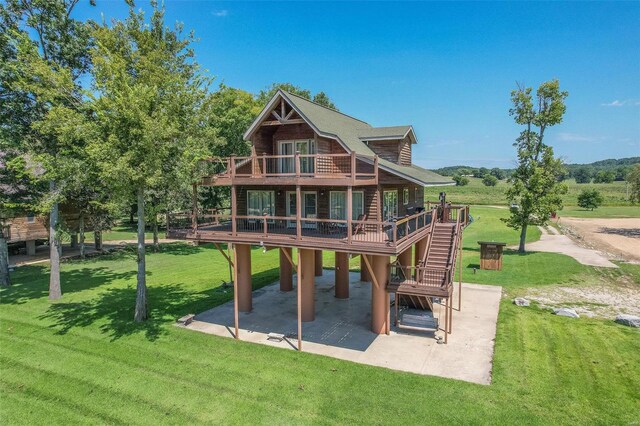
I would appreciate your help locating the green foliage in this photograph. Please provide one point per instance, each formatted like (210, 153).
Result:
(535, 187)
(320, 98)
(604, 176)
(590, 199)
(498, 173)
(634, 182)
(481, 172)
(489, 180)
(461, 180)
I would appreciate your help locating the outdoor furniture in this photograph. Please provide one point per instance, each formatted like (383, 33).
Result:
(358, 228)
(491, 255)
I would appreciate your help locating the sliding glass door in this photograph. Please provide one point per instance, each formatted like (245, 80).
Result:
(309, 208)
(390, 205)
(304, 147)
(338, 205)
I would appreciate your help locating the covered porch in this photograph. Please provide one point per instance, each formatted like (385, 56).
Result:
(341, 328)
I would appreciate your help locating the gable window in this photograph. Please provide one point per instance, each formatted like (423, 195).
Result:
(390, 204)
(260, 203)
(405, 196)
(338, 205)
(31, 218)
(304, 147)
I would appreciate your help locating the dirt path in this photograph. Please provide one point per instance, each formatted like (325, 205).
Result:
(554, 242)
(620, 238)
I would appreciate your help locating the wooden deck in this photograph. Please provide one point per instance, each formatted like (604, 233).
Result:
(369, 237)
(297, 169)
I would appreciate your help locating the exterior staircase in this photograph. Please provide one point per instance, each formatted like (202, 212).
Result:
(438, 254)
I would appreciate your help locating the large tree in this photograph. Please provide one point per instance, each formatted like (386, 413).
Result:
(148, 97)
(536, 189)
(47, 56)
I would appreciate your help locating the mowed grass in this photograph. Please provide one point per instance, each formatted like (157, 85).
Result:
(614, 194)
(83, 360)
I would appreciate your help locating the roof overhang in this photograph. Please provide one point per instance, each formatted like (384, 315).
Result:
(410, 132)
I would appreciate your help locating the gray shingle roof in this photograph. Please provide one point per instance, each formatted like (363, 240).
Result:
(350, 132)
(392, 132)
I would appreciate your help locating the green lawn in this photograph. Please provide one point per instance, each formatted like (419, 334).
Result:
(122, 232)
(83, 360)
(614, 194)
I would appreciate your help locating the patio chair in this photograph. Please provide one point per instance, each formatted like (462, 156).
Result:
(358, 228)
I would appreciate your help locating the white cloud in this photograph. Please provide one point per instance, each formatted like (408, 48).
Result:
(625, 102)
(220, 13)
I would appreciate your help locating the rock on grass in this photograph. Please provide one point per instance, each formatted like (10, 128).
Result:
(628, 320)
(566, 312)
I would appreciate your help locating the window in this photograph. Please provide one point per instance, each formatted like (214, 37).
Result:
(31, 218)
(304, 147)
(260, 203)
(405, 196)
(390, 204)
(338, 205)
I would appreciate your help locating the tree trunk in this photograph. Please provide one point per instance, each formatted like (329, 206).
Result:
(5, 280)
(141, 291)
(97, 239)
(55, 292)
(523, 238)
(81, 232)
(156, 244)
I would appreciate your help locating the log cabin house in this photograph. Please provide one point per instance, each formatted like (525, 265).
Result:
(318, 179)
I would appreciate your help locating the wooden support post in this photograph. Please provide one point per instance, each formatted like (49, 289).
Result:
(364, 272)
(297, 163)
(349, 213)
(375, 167)
(223, 253)
(194, 208)
(380, 304)
(420, 249)
(307, 270)
(286, 269)
(298, 212)
(342, 275)
(404, 258)
(318, 263)
(243, 277)
(235, 292)
(460, 275)
(234, 210)
(299, 289)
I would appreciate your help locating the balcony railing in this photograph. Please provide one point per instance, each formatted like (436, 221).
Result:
(224, 227)
(357, 168)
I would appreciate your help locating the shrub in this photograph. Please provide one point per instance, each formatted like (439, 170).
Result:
(590, 199)
(460, 180)
(489, 180)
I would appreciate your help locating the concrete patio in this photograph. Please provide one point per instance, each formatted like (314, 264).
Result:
(342, 329)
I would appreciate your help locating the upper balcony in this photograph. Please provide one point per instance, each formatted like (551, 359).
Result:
(297, 169)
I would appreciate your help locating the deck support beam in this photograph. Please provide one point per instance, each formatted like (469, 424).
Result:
(306, 280)
(380, 304)
(404, 258)
(243, 276)
(286, 269)
(318, 263)
(342, 275)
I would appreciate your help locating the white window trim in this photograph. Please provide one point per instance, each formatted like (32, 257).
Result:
(405, 200)
(345, 196)
(293, 214)
(397, 209)
(273, 195)
(310, 142)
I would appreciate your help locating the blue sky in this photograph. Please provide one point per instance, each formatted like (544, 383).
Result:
(445, 68)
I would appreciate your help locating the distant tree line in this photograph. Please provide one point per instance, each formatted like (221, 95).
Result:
(604, 171)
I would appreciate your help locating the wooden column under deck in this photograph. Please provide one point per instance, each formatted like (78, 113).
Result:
(342, 275)
(318, 263)
(286, 269)
(364, 272)
(421, 247)
(243, 277)
(307, 284)
(380, 310)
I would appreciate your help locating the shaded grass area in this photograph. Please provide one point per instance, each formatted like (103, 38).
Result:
(74, 360)
(122, 232)
(614, 194)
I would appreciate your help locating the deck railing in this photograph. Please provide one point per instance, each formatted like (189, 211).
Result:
(355, 167)
(212, 223)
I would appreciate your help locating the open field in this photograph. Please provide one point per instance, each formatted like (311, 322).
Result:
(73, 361)
(476, 193)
